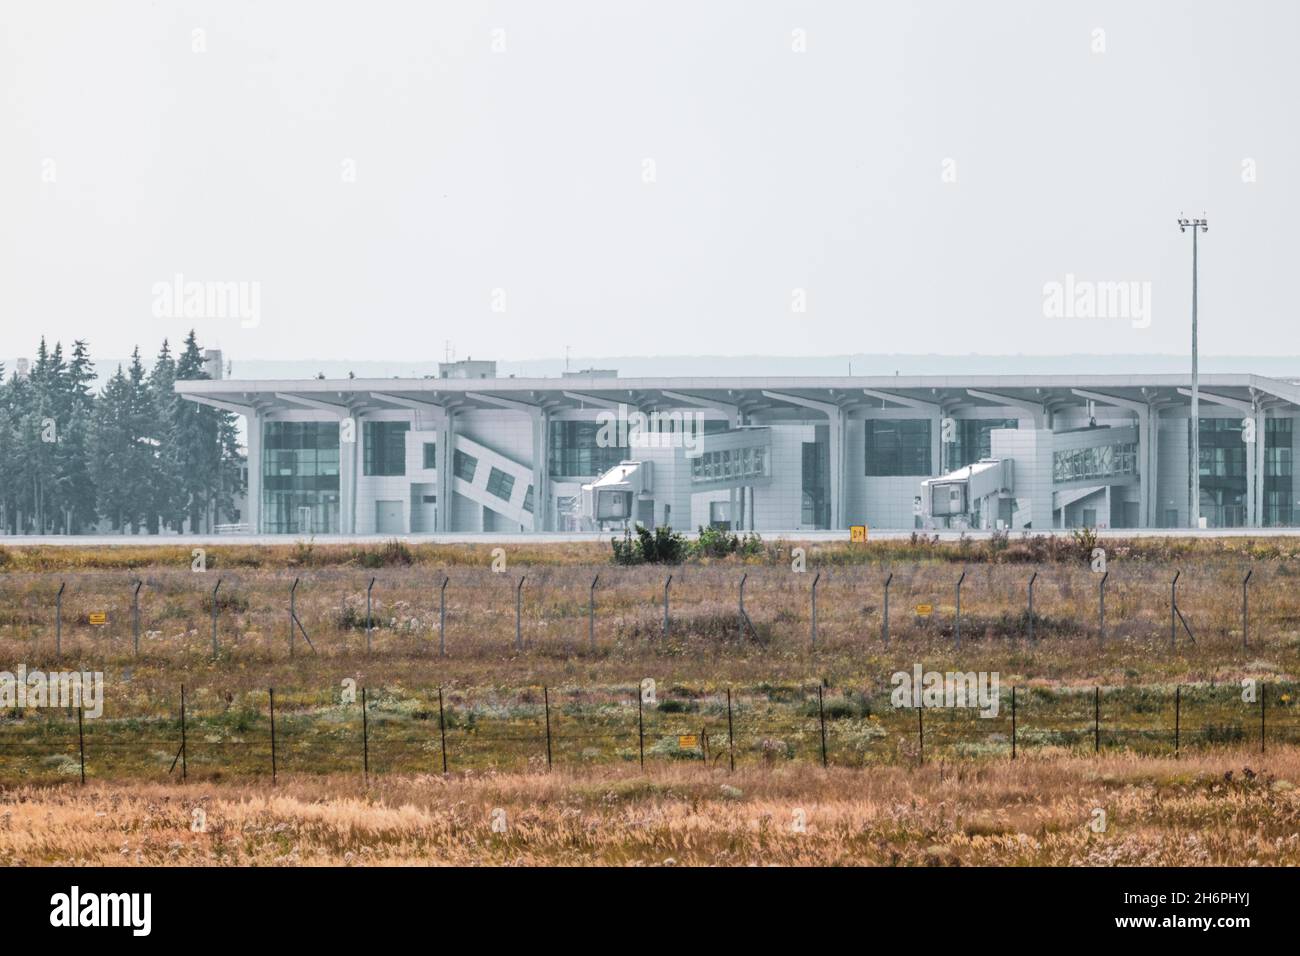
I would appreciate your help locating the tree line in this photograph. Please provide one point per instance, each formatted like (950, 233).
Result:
(133, 457)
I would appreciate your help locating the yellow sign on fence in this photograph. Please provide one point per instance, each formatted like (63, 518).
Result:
(925, 610)
(858, 533)
(98, 617)
(687, 741)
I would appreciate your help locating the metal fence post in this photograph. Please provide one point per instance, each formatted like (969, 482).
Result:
(920, 732)
(591, 614)
(1096, 720)
(1263, 691)
(58, 620)
(821, 716)
(293, 612)
(1173, 610)
(1245, 607)
(546, 703)
(519, 610)
(442, 617)
(215, 649)
(640, 725)
(959, 581)
(135, 616)
(184, 741)
(816, 578)
(884, 627)
(369, 588)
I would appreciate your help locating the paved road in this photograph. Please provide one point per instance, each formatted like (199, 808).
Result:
(119, 540)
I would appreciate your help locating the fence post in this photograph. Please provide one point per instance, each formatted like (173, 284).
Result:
(640, 725)
(920, 732)
(1178, 713)
(1032, 578)
(744, 618)
(58, 620)
(816, 578)
(442, 617)
(959, 581)
(135, 615)
(293, 612)
(215, 649)
(273, 768)
(667, 584)
(884, 627)
(821, 716)
(1173, 610)
(519, 606)
(1245, 607)
(184, 742)
(591, 614)
(442, 731)
(369, 588)
(1013, 722)
(81, 743)
(1101, 605)
(365, 738)
(1096, 720)
(731, 736)
(546, 703)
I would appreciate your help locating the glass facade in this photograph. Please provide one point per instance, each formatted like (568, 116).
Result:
(463, 466)
(897, 447)
(1099, 461)
(574, 451)
(430, 455)
(384, 448)
(1223, 472)
(815, 510)
(974, 440)
(731, 464)
(1278, 501)
(300, 477)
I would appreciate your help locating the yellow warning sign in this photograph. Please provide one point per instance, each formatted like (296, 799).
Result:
(688, 741)
(858, 533)
(98, 617)
(925, 610)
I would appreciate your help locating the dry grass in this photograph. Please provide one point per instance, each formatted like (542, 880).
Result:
(1227, 809)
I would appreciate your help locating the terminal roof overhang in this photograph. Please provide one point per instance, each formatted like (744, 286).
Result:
(747, 394)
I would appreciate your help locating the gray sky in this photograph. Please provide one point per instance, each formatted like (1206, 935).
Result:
(524, 171)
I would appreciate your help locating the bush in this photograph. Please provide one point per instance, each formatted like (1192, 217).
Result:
(718, 543)
(661, 546)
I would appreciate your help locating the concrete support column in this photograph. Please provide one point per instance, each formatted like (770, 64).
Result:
(253, 426)
(349, 469)
(1261, 471)
(836, 432)
(541, 490)
(1145, 477)
(446, 472)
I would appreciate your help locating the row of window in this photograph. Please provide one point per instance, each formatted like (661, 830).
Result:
(1099, 461)
(731, 463)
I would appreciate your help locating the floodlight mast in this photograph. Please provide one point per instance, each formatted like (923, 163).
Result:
(1197, 226)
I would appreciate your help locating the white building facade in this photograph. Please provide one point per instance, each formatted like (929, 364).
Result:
(593, 451)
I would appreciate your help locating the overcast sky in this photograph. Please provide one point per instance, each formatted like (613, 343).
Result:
(646, 178)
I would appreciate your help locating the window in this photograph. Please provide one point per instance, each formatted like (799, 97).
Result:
(974, 440)
(430, 454)
(898, 447)
(500, 484)
(385, 448)
(528, 500)
(300, 477)
(464, 466)
(577, 449)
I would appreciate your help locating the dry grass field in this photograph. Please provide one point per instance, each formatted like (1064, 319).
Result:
(954, 796)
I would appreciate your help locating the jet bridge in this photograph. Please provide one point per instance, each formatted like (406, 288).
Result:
(970, 496)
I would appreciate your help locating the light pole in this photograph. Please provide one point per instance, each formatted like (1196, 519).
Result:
(1194, 489)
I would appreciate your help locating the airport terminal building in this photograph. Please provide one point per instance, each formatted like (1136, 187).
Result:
(468, 451)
